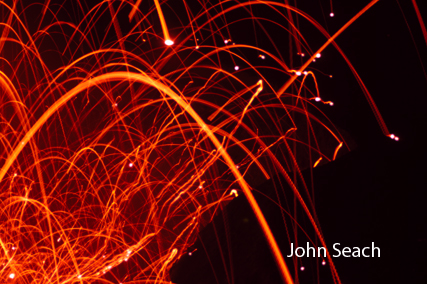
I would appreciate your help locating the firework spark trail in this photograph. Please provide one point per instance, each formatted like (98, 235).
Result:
(420, 20)
(118, 144)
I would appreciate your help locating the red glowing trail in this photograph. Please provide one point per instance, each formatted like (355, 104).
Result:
(420, 20)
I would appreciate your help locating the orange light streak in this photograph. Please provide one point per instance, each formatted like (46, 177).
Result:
(317, 162)
(326, 44)
(166, 36)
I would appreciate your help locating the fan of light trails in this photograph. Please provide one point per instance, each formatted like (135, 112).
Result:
(121, 137)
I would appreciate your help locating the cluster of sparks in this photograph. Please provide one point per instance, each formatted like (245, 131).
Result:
(124, 131)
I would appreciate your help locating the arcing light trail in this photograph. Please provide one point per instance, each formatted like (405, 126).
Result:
(118, 143)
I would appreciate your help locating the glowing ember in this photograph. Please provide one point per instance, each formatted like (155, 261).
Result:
(169, 42)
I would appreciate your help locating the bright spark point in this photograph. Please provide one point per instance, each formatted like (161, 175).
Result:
(169, 42)
(197, 47)
(317, 99)
(12, 275)
(130, 165)
(189, 253)
(262, 56)
(305, 72)
(318, 55)
(396, 138)
(331, 15)
(302, 268)
(331, 103)
(392, 136)
(298, 73)
(323, 262)
(236, 67)
(226, 41)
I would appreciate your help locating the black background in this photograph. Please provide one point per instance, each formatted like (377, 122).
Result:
(376, 193)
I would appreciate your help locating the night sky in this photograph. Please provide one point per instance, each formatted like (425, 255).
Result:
(375, 193)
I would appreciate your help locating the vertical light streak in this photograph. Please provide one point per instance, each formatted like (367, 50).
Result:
(166, 36)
